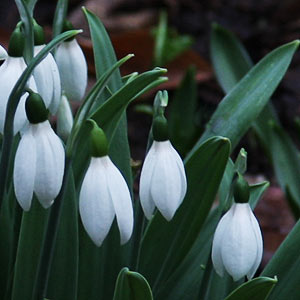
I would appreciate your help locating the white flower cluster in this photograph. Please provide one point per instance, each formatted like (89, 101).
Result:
(40, 157)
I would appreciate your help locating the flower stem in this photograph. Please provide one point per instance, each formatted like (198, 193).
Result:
(47, 252)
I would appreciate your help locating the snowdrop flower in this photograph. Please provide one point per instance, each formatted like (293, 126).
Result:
(10, 71)
(163, 181)
(40, 158)
(237, 245)
(46, 74)
(104, 194)
(72, 68)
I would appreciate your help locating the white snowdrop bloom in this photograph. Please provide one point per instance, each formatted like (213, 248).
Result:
(72, 68)
(3, 53)
(237, 244)
(46, 76)
(163, 180)
(104, 194)
(39, 165)
(10, 72)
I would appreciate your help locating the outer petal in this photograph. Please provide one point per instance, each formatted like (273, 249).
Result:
(95, 206)
(10, 71)
(259, 244)
(217, 242)
(43, 77)
(166, 185)
(239, 243)
(3, 53)
(145, 183)
(50, 164)
(177, 159)
(24, 169)
(64, 118)
(121, 199)
(72, 68)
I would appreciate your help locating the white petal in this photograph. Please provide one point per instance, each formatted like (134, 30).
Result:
(121, 199)
(50, 164)
(95, 205)
(145, 183)
(10, 71)
(72, 68)
(259, 244)
(166, 188)
(177, 159)
(43, 78)
(217, 243)
(56, 95)
(3, 53)
(64, 118)
(24, 170)
(239, 243)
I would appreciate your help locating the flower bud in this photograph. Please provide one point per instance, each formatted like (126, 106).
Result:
(36, 110)
(99, 144)
(16, 43)
(241, 190)
(39, 35)
(160, 129)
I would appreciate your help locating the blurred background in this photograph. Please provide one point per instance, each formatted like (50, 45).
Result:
(133, 26)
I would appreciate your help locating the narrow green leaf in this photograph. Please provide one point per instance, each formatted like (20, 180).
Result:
(28, 253)
(242, 105)
(255, 289)
(30, 5)
(160, 40)
(181, 121)
(231, 62)
(66, 252)
(165, 244)
(59, 16)
(132, 286)
(285, 265)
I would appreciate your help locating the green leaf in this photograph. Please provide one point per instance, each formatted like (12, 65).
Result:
(166, 244)
(285, 265)
(231, 62)
(29, 248)
(242, 105)
(182, 108)
(132, 286)
(255, 289)
(59, 16)
(66, 253)
(30, 4)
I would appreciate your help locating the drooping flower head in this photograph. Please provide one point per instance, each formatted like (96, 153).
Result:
(46, 73)
(10, 72)
(40, 158)
(72, 67)
(163, 181)
(104, 194)
(237, 244)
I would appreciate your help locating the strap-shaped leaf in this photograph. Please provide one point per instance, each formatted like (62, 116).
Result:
(255, 289)
(132, 286)
(231, 62)
(165, 244)
(243, 104)
(59, 16)
(285, 265)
